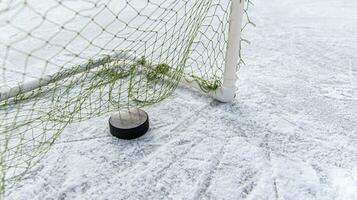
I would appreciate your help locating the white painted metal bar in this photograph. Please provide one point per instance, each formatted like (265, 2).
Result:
(21, 88)
(227, 92)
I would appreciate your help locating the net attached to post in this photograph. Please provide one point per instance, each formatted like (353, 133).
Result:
(64, 61)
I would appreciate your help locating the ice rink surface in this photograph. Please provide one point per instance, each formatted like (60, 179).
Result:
(291, 133)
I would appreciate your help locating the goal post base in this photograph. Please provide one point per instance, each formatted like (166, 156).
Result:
(224, 94)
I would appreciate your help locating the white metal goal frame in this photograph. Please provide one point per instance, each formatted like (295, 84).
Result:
(225, 93)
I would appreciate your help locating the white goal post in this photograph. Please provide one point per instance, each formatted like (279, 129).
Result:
(227, 92)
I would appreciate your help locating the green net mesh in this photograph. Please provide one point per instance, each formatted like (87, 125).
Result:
(63, 61)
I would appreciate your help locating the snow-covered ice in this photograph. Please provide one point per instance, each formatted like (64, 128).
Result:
(291, 133)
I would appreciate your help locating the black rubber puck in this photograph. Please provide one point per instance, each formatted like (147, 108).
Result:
(129, 123)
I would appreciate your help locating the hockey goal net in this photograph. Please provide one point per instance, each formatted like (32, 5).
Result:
(63, 61)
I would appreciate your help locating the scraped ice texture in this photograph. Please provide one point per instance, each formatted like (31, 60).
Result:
(291, 133)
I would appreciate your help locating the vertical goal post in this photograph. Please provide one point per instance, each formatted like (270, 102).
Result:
(228, 90)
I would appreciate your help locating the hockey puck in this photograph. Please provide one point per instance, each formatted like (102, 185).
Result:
(129, 123)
